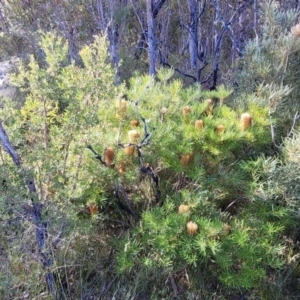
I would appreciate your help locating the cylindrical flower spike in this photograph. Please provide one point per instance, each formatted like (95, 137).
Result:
(186, 110)
(164, 110)
(134, 123)
(185, 159)
(122, 105)
(199, 124)
(133, 136)
(209, 107)
(121, 169)
(295, 30)
(183, 208)
(245, 121)
(108, 156)
(191, 228)
(129, 150)
(220, 129)
(93, 208)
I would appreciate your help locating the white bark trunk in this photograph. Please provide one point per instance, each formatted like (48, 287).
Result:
(150, 35)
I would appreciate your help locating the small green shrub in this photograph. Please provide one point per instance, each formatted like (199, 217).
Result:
(269, 68)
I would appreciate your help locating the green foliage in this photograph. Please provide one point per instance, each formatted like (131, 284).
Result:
(71, 116)
(224, 250)
(276, 181)
(269, 68)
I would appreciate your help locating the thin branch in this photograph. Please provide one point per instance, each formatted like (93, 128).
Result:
(272, 131)
(97, 156)
(8, 147)
(126, 207)
(296, 117)
(166, 64)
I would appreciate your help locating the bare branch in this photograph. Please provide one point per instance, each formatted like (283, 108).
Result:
(166, 64)
(8, 147)
(296, 117)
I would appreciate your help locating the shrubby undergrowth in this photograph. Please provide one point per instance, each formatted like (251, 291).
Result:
(158, 190)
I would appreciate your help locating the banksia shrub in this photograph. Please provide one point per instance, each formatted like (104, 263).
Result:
(162, 197)
(191, 228)
(245, 121)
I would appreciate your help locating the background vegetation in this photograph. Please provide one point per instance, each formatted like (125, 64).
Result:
(118, 184)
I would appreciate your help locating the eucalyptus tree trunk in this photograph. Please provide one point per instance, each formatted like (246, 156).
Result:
(150, 35)
(66, 30)
(192, 32)
(105, 23)
(255, 17)
(156, 7)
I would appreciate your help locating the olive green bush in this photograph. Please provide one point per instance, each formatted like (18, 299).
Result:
(269, 68)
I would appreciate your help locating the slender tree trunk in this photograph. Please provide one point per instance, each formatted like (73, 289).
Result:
(151, 41)
(112, 37)
(192, 34)
(105, 23)
(67, 31)
(141, 45)
(255, 17)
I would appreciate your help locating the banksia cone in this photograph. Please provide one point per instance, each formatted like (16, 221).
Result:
(133, 136)
(226, 229)
(295, 30)
(186, 110)
(185, 159)
(93, 208)
(163, 111)
(108, 156)
(183, 209)
(198, 124)
(220, 129)
(134, 123)
(122, 105)
(129, 150)
(245, 121)
(191, 228)
(121, 169)
(209, 107)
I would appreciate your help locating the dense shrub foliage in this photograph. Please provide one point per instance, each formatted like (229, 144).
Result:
(158, 190)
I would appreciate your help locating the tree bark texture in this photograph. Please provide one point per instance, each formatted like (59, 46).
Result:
(193, 32)
(150, 37)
